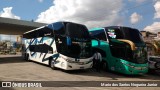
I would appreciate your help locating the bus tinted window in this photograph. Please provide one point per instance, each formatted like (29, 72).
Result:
(30, 35)
(45, 31)
(99, 34)
(77, 31)
(58, 28)
(133, 35)
(43, 48)
(124, 33)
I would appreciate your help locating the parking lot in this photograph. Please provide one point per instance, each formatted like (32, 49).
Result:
(13, 68)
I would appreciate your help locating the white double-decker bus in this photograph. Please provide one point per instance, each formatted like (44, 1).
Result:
(64, 45)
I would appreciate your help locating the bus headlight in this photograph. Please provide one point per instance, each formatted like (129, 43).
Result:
(70, 61)
(128, 65)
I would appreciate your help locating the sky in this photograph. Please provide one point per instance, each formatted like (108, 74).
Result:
(140, 14)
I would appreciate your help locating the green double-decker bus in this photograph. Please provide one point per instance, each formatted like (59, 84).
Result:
(122, 49)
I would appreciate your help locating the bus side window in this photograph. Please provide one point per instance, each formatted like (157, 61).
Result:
(60, 43)
(100, 34)
(31, 48)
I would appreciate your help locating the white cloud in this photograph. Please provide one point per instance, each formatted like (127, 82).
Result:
(95, 13)
(157, 9)
(135, 18)
(155, 27)
(40, 1)
(7, 13)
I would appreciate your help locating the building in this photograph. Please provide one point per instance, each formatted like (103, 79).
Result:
(148, 36)
(17, 27)
(14, 27)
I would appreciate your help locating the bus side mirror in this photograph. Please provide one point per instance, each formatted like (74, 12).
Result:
(99, 43)
(68, 41)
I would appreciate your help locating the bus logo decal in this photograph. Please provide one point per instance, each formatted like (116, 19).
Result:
(34, 54)
(55, 57)
(46, 53)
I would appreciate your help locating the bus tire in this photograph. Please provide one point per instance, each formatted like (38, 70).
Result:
(52, 63)
(157, 65)
(105, 66)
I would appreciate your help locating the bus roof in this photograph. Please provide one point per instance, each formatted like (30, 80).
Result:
(34, 29)
(94, 29)
(119, 27)
(49, 25)
(59, 28)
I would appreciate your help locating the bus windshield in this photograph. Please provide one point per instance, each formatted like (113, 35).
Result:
(121, 50)
(76, 43)
(133, 35)
(125, 33)
(77, 31)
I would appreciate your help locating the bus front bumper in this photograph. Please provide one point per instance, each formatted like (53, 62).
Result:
(78, 66)
(135, 69)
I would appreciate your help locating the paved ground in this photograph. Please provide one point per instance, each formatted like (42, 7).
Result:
(13, 68)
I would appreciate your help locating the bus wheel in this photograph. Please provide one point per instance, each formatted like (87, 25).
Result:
(105, 66)
(157, 65)
(52, 63)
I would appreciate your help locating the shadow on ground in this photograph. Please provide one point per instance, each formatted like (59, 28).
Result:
(109, 74)
(114, 75)
(89, 72)
(15, 59)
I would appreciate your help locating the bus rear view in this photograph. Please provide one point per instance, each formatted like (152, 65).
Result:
(123, 49)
